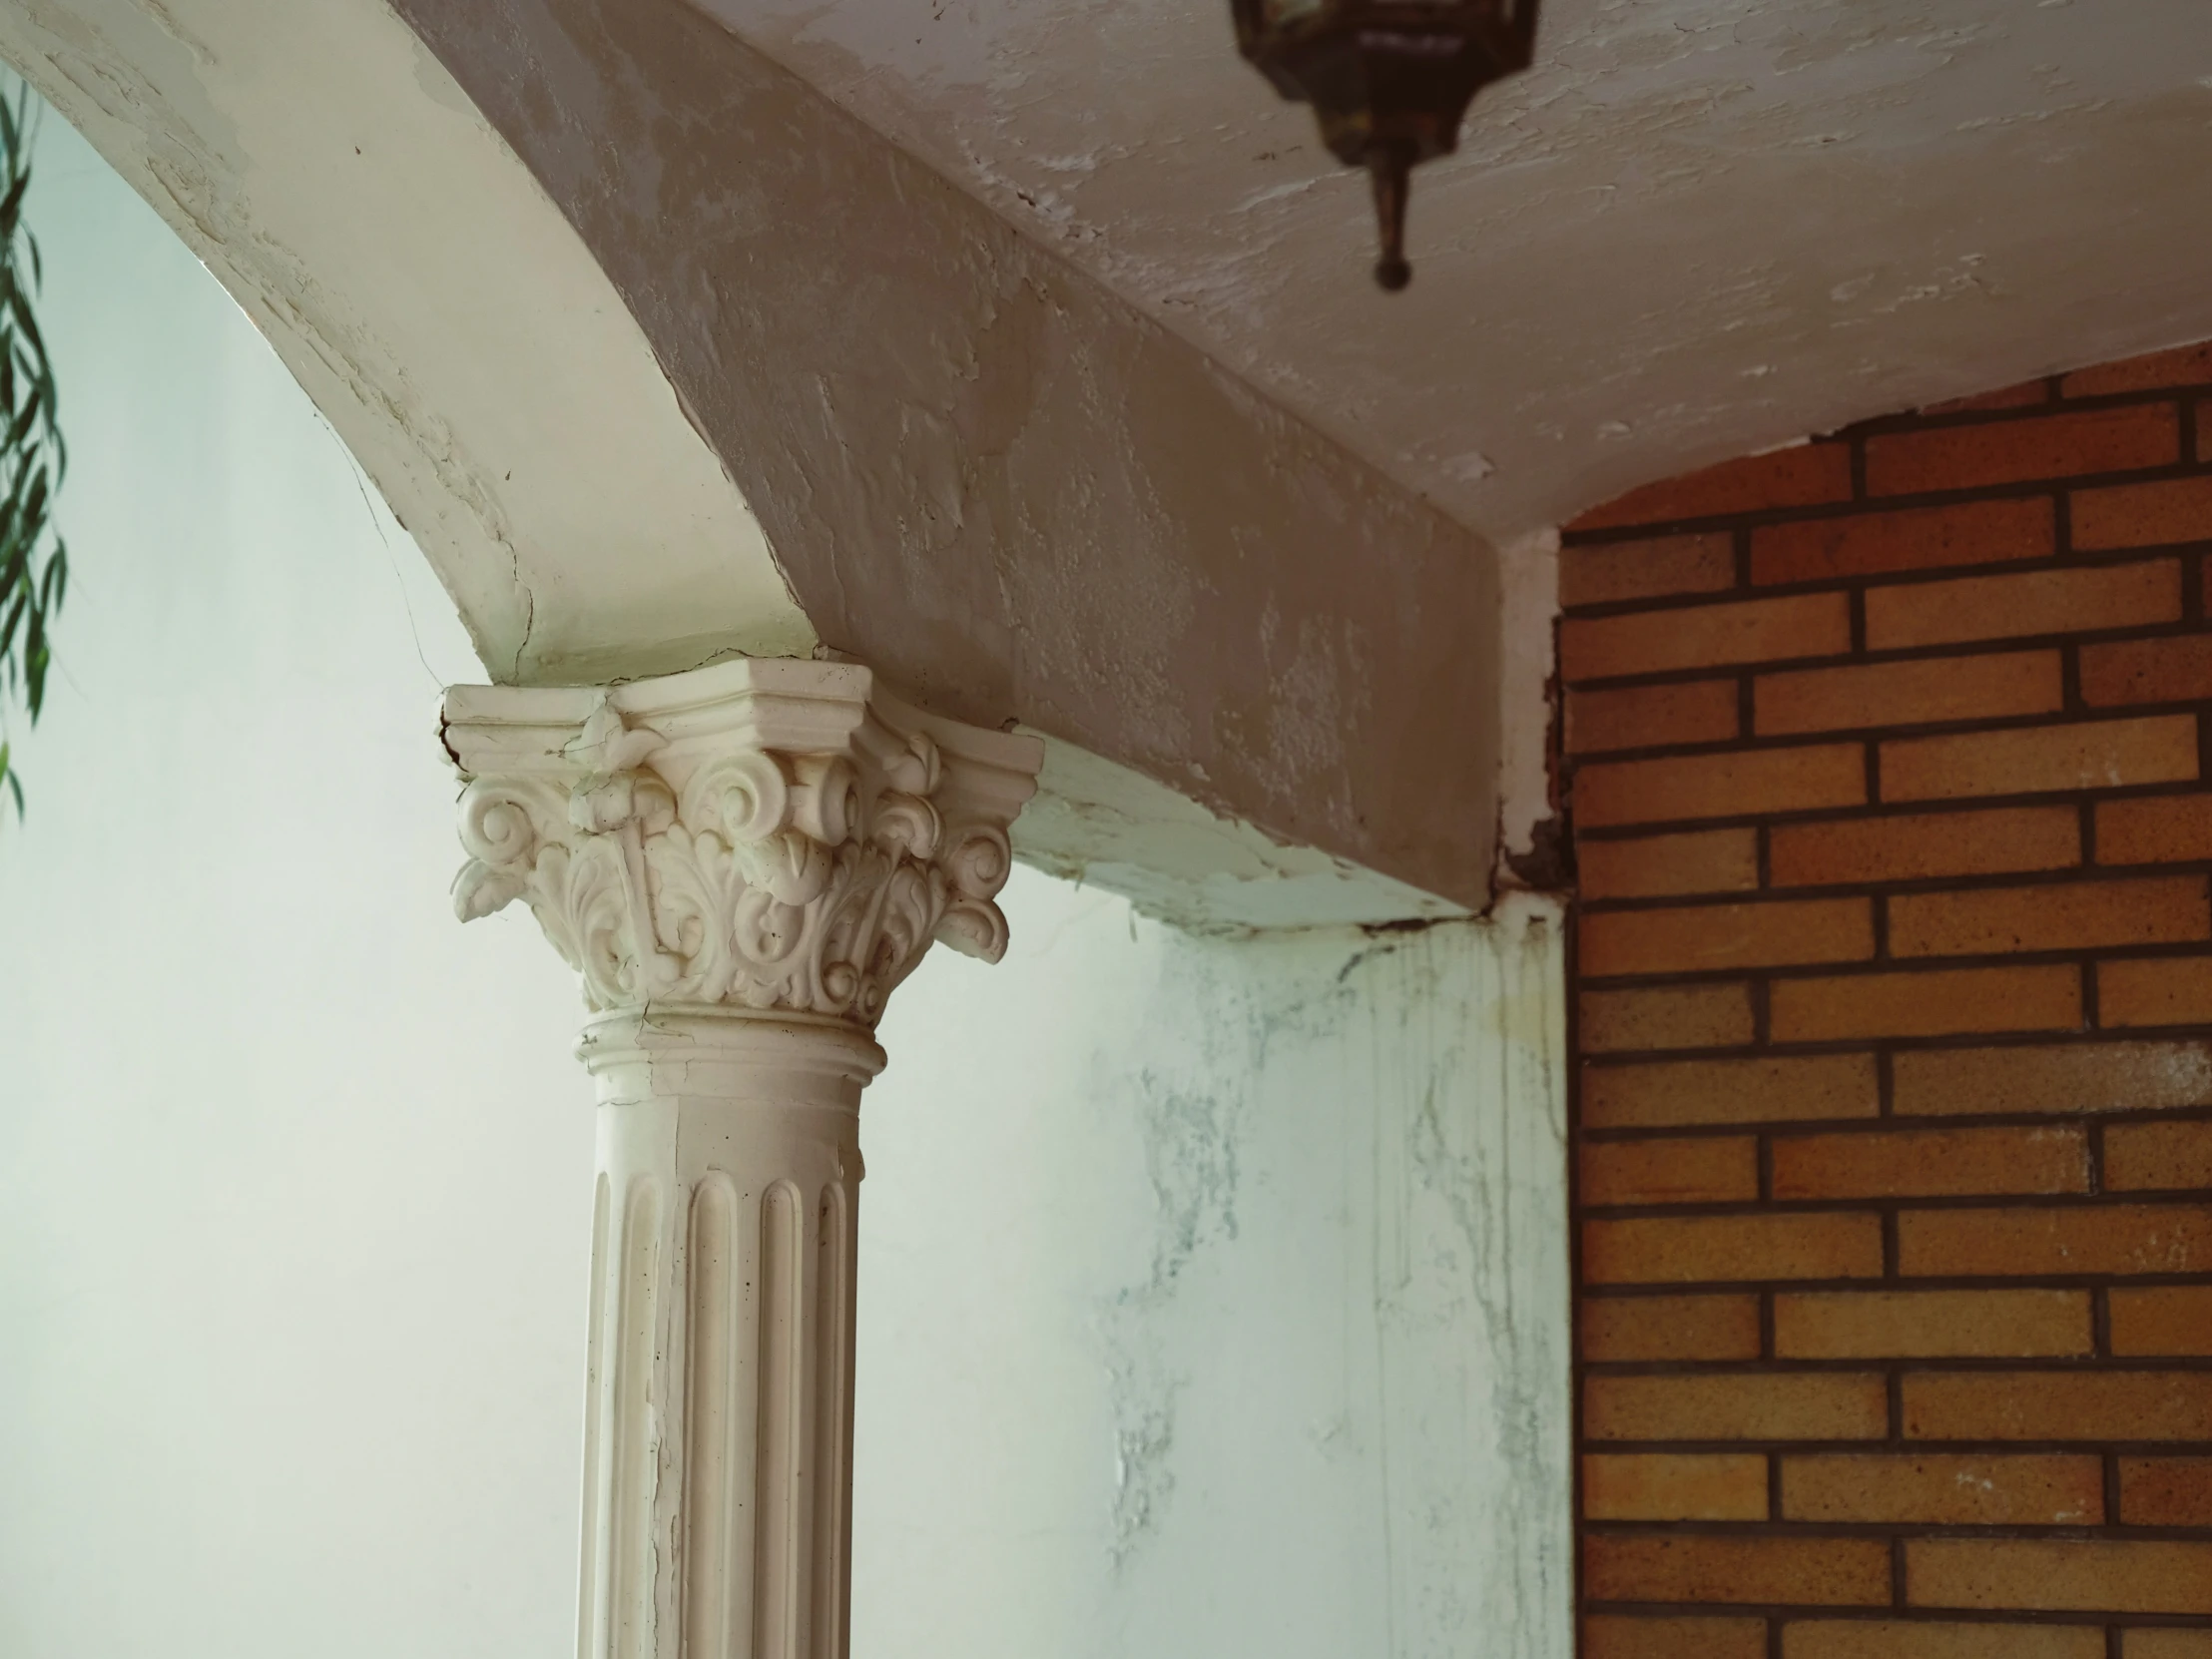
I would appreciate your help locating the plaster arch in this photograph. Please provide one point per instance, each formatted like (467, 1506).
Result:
(441, 314)
(583, 291)
(993, 477)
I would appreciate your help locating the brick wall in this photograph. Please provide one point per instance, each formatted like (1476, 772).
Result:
(1887, 777)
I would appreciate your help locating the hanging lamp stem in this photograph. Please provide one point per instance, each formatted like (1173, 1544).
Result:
(1391, 166)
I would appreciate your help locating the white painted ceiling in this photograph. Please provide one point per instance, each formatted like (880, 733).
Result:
(1696, 227)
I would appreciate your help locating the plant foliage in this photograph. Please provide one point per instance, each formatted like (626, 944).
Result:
(34, 563)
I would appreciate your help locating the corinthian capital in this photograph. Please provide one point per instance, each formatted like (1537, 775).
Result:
(762, 833)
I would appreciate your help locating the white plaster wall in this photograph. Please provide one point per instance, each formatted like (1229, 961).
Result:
(1214, 1298)
(1214, 1293)
(293, 1168)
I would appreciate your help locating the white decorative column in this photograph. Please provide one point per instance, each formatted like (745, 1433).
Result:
(742, 862)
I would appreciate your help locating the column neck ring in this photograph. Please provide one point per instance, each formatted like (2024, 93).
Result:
(671, 1048)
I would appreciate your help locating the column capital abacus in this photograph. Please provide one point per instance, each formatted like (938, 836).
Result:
(764, 833)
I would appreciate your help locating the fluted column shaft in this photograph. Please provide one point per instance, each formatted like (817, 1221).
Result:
(718, 1472)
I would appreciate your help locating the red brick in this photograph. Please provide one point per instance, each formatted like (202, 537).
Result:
(1674, 1017)
(1705, 636)
(2075, 916)
(1803, 475)
(1829, 1405)
(2109, 754)
(2086, 1407)
(2166, 1491)
(2142, 515)
(1616, 570)
(1665, 866)
(2075, 1077)
(2160, 830)
(1670, 1171)
(1918, 845)
(1983, 1490)
(1922, 1163)
(2161, 991)
(2120, 1238)
(2058, 1575)
(1921, 538)
(1944, 1002)
(1931, 1325)
(1722, 786)
(1668, 1250)
(2166, 991)
(2169, 1157)
(1635, 1638)
(1713, 1427)
(2183, 365)
(1676, 1567)
(2012, 451)
(2167, 1644)
(1651, 716)
(2120, 671)
(1669, 1327)
(1909, 693)
(1700, 938)
(2162, 1321)
(1668, 1094)
(2075, 600)
(1919, 1639)
(1666, 1487)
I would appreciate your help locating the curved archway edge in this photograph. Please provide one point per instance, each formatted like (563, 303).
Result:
(438, 310)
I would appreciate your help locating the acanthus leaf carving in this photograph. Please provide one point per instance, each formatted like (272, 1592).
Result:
(721, 869)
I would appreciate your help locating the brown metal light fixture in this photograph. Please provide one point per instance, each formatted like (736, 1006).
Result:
(1388, 80)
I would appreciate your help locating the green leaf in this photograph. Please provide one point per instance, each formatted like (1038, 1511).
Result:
(34, 562)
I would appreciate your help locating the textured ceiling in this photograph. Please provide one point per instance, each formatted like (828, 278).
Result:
(1696, 227)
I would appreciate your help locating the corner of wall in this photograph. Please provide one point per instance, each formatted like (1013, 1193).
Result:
(1532, 849)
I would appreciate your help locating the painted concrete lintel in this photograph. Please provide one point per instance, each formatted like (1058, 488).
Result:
(1098, 823)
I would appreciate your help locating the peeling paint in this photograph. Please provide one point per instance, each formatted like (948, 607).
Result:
(1190, 1138)
(1273, 1340)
